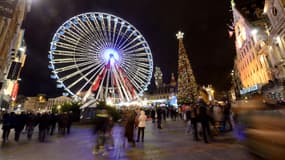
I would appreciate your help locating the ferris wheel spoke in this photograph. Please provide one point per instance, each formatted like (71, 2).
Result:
(95, 81)
(139, 54)
(101, 67)
(133, 46)
(77, 72)
(101, 83)
(80, 29)
(78, 36)
(118, 35)
(121, 84)
(74, 43)
(136, 63)
(92, 35)
(127, 39)
(74, 66)
(103, 28)
(99, 40)
(135, 50)
(68, 39)
(100, 32)
(70, 47)
(84, 77)
(69, 60)
(131, 42)
(124, 85)
(134, 76)
(114, 32)
(115, 79)
(67, 53)
(107, 83)
(109, 29)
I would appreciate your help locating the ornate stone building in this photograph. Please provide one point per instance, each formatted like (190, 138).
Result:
(251, 62)
(12, 46)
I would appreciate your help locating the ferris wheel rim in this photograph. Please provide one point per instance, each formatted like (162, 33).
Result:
(62, 27)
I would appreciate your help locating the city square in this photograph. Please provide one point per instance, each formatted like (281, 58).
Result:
(145, 80)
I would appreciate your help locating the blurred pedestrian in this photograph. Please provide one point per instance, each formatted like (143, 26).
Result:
(69, 121)
(129, 128)
(227, 116)
(20, 123)
(141, 126)
(30, 124)
(43, 126)
(6, 126)
(153, 115)
(159, 117)
(204, 119)
(100, 129)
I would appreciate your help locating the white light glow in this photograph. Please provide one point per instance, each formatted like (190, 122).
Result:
(110, 54)
(254, 31)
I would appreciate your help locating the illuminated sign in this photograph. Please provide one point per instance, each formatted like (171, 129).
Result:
(250, 89)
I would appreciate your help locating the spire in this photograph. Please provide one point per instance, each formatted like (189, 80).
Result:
(172, 80)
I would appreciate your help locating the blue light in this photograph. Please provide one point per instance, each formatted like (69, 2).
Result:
(110, 54)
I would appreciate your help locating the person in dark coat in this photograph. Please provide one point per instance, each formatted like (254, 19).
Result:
(53, 121)
(30, 124)
(164, 113)
(194, 121)
(69, 121)
(100, 129)
(43, 126)
(204, 119)
(6, 126)
(159, 117)
(20, 123)
(130, 126)
(227, 116)
(152, 114)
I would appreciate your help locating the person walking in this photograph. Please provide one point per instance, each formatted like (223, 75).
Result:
(159, 117)
(20, 125)
(130, 126)
(141, 126)
(43, 126)
(30, 124)
(152, 114)
(53, 121)
(194, 121)
(6, 126)
(204, 119)
(227, 116)
(101, 129)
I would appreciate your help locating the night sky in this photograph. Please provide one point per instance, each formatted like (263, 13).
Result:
(204, 23)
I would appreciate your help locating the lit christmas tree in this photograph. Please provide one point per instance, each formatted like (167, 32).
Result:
(187, 87)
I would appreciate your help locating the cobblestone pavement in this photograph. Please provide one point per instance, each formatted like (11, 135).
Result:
(170, 143)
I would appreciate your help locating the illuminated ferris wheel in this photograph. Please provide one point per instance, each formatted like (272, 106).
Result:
(101, 56)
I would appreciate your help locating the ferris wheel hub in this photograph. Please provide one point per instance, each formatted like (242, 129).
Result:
(111, 55)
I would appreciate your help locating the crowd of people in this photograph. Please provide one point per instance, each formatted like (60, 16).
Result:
(27, 122)
(203, 121)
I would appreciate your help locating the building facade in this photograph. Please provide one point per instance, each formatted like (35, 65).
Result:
(274, 9)
(12, 47)
(251, 62)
